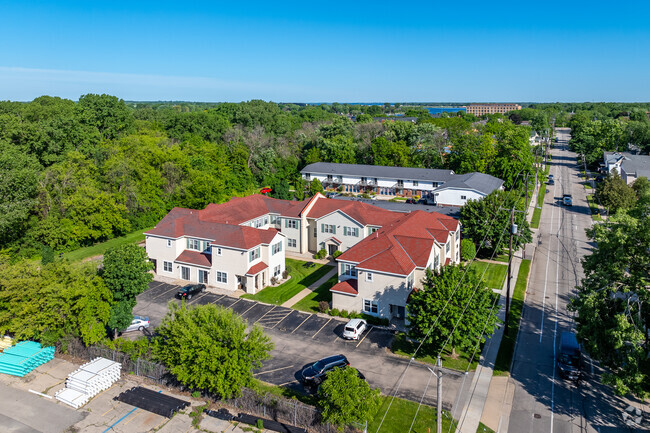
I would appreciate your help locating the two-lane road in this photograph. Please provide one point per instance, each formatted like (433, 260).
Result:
(543, 402)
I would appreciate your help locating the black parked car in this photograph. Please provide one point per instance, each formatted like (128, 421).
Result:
(190, 290)
(315, 373)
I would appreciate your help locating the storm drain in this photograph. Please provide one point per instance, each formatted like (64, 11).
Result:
(152, 401)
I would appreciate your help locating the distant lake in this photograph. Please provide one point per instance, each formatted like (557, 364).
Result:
(438, 110)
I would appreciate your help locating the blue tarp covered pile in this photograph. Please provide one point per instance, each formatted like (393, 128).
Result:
(25, 356)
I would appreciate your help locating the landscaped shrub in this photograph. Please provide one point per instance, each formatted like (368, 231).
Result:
(365, 195)
(323, 306)
(377, 321)
(285, 274)
(467, 249)
(321, 254)
(344, 313)
(335, 312)
(274, 281)
(337, 253)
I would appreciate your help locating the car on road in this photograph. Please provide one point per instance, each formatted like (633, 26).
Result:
(139, 323)
(190, 290)
(567, 200)
(314, 374)
(569, 359)
(550, 181)
(354, 328)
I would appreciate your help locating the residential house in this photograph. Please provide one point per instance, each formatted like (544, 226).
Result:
(377, 275)
(440, 187)
(628, 165)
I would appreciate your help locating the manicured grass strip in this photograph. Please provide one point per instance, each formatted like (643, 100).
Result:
(482, 428)
(537, 213)
(595, 214)
(404, 347)
(506, 350)
(302, 274)
(310, 302)
(494, 276)
(100, 248)
(401, 413)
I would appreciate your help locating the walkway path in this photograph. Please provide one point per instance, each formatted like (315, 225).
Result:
(307, 290)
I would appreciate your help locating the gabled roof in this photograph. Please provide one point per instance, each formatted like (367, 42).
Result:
(403, 244)
(348, 287)
(186, 222)
(483, 183)
(195, 258)
(361, 212)
(379, 171)
(257, 268)
(241, 209)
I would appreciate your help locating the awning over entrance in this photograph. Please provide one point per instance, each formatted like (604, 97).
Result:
(256, 269)
(347, 287)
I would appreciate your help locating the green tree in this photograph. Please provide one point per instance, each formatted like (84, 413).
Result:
(315, 186)
(461, 322)
(467, 249)
(613, 302)
(615, 194)
(209, 348)
(346, 398)
(486, 222)
(126, 274)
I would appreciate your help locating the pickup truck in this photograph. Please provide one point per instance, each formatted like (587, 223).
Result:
(567, 200)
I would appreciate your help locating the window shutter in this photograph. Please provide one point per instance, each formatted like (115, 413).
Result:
(187, 242)
(333, 229)
(322, 228)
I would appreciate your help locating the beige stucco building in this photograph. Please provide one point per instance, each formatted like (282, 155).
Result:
(481, 109)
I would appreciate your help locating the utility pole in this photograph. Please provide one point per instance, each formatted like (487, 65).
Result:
(512, 229)
(438, 373)
(526, 206)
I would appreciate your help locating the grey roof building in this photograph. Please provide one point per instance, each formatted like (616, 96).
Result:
(628, 165)
(473, 181)
(379, 171)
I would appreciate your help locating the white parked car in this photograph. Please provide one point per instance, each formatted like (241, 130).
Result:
(354, 328)
(138, 324)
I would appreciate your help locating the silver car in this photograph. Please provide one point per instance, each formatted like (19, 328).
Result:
(138, 324)
(354, 328)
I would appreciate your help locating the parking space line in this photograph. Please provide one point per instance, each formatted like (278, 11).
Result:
(194, 298)
(249, 308)
(266, 313)
(364, 337)
(166, 292)
(300, 324)
(287, 383)
(321, 328)
(231, 305)
(104, 414)
(218, 299)
(278, 322)
(271, 371)
(134, 417)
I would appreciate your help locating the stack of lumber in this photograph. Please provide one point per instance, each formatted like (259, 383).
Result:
(89, 380)
(25, 356)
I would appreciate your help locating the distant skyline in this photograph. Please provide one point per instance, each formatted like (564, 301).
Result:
(470, 51)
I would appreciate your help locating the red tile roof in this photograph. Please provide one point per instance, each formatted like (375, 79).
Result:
(195, 258)
(403, 244)
(257, 268)
(364, 213)
(242, 209)
(349, 287)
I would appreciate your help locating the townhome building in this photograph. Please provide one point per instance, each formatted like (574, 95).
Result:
(629, 166)
(377, 275)
(437, 187)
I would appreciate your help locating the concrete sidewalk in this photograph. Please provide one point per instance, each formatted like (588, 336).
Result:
(307, 290)
(490, 395)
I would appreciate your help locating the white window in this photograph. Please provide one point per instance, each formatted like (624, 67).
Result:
(315, 231)
(463, 197)
(372, 229)
(169, 243)
(369, 276)
(370, 306)
(276, 248)
(415, 183)
(222, 277)
(410, 280)
(276, 271)
(447, 246)
(436, 261)
(185, 273)
(168, 266)
(274, 219)
(291, 243)
(291, 224)
(328, 228)
(194, 244)
(349, 270)
(457, 234)
(203, 276)
(218, 251)
(351, 231)
(254, 254)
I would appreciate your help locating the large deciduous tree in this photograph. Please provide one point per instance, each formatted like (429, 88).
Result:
(346, 398)
(126, 274)
(209, 348)
(615, 194)
(613, 301)
(461, 321)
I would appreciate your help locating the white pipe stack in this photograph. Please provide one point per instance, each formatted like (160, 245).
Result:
(89, 380)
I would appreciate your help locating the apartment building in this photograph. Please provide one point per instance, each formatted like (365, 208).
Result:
(481, 109)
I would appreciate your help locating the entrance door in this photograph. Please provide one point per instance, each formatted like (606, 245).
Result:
(155, 265)
(397, 311)
(203, 276)
(332, 249)
(241, 283)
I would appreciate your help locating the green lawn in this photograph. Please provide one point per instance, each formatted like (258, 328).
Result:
(322, 293)
(401, 413)
(302, 274)
(595, 214)
(507, 347)
(482, 428)
(403, 347)
(495, 274)
(537, 213)
(99, 249)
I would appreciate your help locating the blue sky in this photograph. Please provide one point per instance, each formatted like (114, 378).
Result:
(350, 51)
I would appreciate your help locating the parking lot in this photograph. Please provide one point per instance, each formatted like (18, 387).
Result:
(302, 338)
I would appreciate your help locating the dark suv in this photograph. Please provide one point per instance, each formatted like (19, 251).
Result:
(315, 373)
(190, 290)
